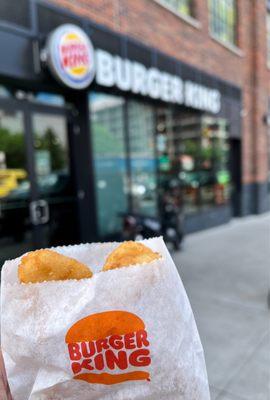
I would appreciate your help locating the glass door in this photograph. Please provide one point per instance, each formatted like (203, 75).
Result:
(16, 236)
(54, 209)
(37, 198)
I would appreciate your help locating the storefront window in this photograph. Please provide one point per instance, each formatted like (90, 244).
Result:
(193, 154)
(223, 20)
(4, 91)
(204, 160)
(51, 152)
(169, 166)
(51, 99)
(141, 128)
(107, 131)
(180, 6)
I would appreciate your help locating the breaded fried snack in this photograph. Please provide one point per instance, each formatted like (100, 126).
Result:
(48, 265)
(129, 253)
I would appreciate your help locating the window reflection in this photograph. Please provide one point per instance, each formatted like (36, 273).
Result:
(51, 99)
(107, 130)
(223, 20)
(51, 147)
(193, 153)
(55, 186)
(181, 6)
(4, 92)
(15, 230)
(12, 153)
(141, 128)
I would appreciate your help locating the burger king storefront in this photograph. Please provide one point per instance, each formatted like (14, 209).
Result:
(94, 124)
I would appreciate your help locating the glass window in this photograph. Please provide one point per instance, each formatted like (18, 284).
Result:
(268, 36)
(204, 163)
(4, 92)
(180, 6)
(51, 149)
(9, 12)
(51, 99)
(107, 130)
(223, 20)
(141, 128)
(193, 154)
(169, 166)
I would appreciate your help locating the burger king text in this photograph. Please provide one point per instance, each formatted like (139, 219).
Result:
(111, 353)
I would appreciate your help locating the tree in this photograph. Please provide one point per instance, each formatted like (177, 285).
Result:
(12, 144)
(51, 143)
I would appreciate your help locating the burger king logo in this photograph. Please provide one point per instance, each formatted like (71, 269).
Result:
(71, 56)
(108, 348)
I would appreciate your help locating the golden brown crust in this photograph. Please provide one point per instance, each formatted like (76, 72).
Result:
(48, 265)
(129, 253)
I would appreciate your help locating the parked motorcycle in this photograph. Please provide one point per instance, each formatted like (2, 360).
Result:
(170, 226)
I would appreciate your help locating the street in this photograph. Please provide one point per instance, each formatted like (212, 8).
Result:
(225, 271)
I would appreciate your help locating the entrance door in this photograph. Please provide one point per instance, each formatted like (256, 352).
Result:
(37, 199)
(15, 185)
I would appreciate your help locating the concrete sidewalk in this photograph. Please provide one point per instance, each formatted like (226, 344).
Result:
(226, 273)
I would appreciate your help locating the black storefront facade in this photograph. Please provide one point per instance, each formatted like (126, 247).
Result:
(73, 160)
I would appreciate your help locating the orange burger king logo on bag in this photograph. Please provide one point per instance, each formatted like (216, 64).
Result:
(108, 348)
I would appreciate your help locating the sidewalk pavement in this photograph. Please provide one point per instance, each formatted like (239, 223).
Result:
(226, 273)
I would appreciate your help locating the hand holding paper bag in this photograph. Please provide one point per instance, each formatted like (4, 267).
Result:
(125, 333)
(4, 389)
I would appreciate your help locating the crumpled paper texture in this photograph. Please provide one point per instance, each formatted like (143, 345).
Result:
(36, 317)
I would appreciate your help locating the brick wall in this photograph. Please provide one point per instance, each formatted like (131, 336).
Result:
(245, 66)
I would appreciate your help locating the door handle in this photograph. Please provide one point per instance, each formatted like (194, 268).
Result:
(39, 212)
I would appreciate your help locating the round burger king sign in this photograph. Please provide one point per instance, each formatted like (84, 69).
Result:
(71, 56)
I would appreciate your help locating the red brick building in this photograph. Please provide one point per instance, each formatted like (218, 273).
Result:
(189, 39)
(176, 106)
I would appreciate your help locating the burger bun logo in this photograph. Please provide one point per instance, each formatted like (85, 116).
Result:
(108, 348)
(70, 56)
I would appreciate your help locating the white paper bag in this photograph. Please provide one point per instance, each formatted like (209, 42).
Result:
(50, 353)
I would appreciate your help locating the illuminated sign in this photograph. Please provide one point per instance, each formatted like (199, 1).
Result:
(73, 61)
(134, 77)
(70, 56)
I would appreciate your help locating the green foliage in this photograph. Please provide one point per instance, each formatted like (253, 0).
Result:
(50, 143)
(12, 144)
